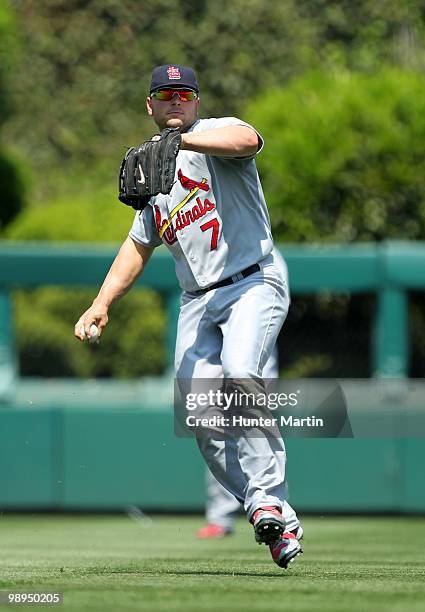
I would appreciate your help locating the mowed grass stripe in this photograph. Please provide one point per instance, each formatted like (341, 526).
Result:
(118, 563)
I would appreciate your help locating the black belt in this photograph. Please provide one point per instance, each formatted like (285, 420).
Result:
(232, 279)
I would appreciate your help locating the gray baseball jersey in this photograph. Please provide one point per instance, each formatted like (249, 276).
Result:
(215, 221)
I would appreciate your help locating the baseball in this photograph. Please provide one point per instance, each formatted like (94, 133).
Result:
(93, 333)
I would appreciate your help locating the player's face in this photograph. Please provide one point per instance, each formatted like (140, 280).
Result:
(174, 112)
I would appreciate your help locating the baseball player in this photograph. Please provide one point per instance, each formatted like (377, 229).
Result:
(216, 226)
(221, 506)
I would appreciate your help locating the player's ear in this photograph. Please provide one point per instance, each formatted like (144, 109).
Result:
(149, 106)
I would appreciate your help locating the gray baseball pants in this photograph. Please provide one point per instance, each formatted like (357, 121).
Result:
(230, 332)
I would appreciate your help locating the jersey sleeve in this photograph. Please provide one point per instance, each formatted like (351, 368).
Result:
(144, 229)
(210, 124)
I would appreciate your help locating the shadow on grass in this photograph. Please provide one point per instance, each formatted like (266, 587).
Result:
(312, 570)
(273, 573)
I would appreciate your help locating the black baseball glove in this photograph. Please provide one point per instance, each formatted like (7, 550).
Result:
(149, 169)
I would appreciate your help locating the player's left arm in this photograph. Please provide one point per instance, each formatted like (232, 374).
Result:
(229, 141)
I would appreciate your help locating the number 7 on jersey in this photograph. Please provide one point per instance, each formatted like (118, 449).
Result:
(215, 226)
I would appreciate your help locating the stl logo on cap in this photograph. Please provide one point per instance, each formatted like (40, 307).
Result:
(173, 73)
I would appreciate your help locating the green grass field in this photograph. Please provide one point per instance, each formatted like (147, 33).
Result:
(118, 563)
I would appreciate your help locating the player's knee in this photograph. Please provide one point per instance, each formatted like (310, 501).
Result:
(237, 369)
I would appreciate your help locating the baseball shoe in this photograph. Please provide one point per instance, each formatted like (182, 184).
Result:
(212, 531)
(269, 524)
(298, 532)
(285, 549)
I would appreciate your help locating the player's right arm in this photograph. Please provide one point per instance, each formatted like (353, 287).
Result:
(126, 268)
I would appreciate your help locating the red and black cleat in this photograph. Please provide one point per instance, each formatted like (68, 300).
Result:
(211, 531)
(285, 550)
(268, 523)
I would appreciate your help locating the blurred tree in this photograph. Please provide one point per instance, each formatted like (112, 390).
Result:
(344, 159)
(11, 186)
(343, 171)
(85, 217)
(11, 191)
(83, 98)
(133, 344)
(365, 33)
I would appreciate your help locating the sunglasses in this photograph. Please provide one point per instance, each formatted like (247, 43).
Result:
(167, 94)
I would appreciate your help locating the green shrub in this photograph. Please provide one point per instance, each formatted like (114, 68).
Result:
(343, 161)
(344, 156)
(11, 191)
(11, 185)
(131, 345)
(94, 215)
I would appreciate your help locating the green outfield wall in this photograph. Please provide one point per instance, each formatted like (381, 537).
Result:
(97, 457)
(108, 445)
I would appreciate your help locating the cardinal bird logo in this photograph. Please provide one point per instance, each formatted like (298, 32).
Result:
(193, 187)
(188, 183)
(173, 73)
